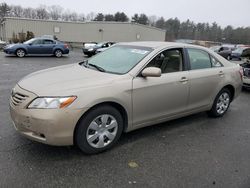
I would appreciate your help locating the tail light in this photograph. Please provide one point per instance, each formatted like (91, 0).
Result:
(66, 46)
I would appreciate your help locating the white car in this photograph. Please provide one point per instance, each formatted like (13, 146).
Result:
(246, 74)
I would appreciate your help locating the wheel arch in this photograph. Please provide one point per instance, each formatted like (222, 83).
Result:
(231, 89)
(21, 48)
(115, 105)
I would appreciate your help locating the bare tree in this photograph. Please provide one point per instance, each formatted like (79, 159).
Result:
(152, 20)
(16, 11)
(81, 18)
(91, 16)
(55, 12)
(42, 13)
(29, 13)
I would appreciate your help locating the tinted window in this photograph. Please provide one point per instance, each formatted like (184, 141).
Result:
(38, 41)
(199, 59)
(168, 61)
(48, 41)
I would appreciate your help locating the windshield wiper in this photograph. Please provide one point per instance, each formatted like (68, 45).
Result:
(87, 65)
(97, 67)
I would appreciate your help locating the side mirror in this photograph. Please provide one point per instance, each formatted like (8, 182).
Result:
(151, 72)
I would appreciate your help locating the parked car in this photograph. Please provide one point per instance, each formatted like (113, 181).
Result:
(237, 54)
(246, 75)
(246, 68)
(126, 87)
(223, 51)
(90, 51)
(38, 46)
(2, 44)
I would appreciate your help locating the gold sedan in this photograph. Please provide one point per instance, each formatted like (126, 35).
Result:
(126, 87)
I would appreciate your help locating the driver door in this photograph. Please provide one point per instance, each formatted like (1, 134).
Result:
(157, 98)
(35, 47)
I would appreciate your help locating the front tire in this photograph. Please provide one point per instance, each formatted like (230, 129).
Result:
(20, 53)
(221, 103)
(99, 129)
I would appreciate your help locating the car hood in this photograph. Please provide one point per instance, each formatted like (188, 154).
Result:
(64, 80)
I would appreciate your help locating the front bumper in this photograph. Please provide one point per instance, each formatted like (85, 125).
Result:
(48, 126)
(9, 51)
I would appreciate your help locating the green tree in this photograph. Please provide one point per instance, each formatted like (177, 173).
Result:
(120, 17)
(109, 17)
(160, 23)
(99, 17)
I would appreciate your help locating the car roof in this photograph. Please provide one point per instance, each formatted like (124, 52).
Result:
(158, 44)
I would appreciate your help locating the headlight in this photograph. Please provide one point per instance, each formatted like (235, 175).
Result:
(51, 102)
(91, 49)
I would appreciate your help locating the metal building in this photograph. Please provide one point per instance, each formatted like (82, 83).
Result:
(78, 32)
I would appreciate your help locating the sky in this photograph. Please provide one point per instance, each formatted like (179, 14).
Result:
(224, 12)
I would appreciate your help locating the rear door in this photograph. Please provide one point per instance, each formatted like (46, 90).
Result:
(205, 78)
(48, 46)
(160, 97)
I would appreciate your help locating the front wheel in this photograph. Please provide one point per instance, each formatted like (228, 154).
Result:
(20, 53)
(58, 53)
(99, 129)
(221, 103)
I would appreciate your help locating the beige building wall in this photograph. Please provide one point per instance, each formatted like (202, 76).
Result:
(82, 31)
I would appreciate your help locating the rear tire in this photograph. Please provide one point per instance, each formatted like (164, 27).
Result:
(99, 129)
(20, 53)
(58, 53)
(221, 103)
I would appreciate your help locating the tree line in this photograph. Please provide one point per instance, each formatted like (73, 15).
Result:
(175, 29)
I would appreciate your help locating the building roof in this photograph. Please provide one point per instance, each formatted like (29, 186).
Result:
(79, 22)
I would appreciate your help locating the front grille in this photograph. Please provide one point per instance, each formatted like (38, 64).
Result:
(247, 72)
(18, 98)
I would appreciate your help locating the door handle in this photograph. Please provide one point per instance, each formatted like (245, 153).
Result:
(183, 79)
(221, 73)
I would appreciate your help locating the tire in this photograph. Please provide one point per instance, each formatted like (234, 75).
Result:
(221, 103)
(99, 129)
(20, 53)
(58, 53)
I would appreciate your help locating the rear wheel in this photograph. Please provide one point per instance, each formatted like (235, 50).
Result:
(20, 53)
(221, 103)
(99, 130)
(58, 53)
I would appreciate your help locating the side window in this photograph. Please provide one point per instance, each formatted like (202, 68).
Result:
(46, 41)
(168, 61)
(215, 62)
(38, 41)
(199, 59)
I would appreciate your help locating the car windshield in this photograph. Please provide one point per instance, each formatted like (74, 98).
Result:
(29, 41)
(120, 59)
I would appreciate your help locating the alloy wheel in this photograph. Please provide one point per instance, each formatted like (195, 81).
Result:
(20, 53)
(58, 53)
